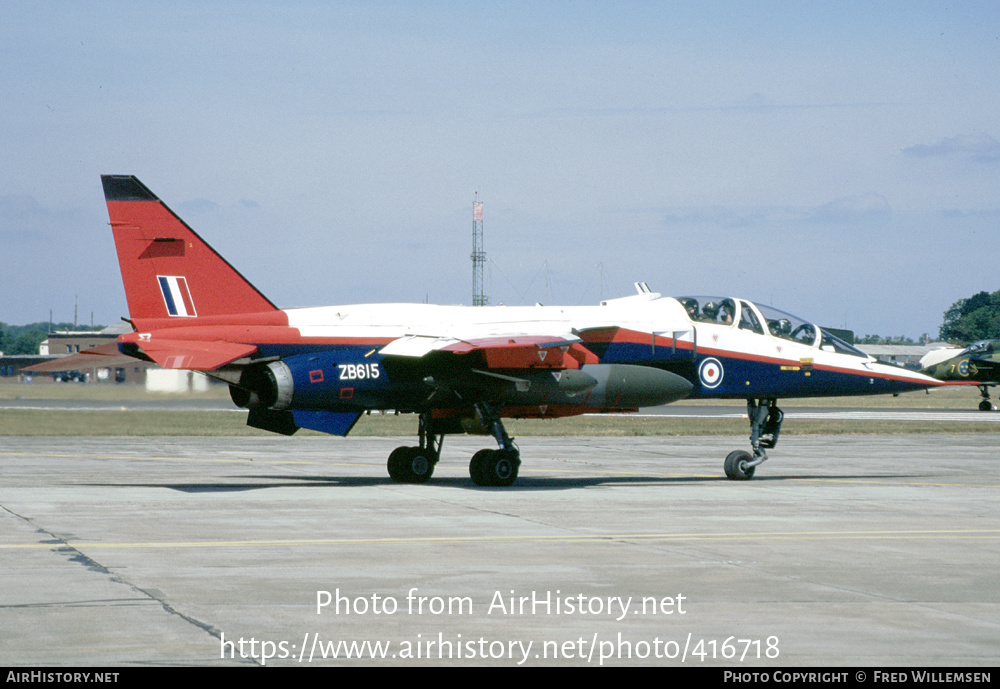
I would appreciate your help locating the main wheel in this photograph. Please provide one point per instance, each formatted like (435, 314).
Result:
(477, 467)
(494, 467)
(736, 466)
(410, 465)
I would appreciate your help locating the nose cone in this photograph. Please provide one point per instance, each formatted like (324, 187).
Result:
(894, 379)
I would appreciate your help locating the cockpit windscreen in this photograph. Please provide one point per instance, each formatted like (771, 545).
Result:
(725, 311)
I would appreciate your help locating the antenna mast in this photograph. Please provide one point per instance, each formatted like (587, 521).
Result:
(479, 297)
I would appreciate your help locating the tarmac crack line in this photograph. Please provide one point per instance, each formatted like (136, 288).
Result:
(60, 545)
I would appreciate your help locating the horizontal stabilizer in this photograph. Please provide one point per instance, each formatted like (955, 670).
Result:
(105, 355)
(195, 356)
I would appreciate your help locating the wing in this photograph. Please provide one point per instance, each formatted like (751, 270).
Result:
(542, 375)
(559, 351)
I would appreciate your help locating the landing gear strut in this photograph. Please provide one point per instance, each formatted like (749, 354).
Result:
(494, 467)
(765, 425)
(416, 464)
(986, 405)
(487, 468)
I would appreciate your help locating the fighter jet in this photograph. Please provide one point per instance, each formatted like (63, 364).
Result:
(464, 369)
(979, 363)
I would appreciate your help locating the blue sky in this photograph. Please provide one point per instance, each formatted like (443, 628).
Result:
(839, 160)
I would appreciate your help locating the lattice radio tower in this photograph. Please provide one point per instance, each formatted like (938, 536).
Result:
(479, 297)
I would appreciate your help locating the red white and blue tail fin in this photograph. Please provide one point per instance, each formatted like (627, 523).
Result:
(168, 270)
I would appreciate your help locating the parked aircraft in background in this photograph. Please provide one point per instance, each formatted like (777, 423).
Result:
(464, 369)
(978, 364)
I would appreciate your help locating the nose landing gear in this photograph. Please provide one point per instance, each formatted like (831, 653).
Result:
(765, 425)
(986, 404)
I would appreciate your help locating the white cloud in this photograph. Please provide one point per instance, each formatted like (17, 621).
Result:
(980, 148)
(852, 209)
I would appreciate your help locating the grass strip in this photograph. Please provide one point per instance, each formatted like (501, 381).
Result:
(32, 422)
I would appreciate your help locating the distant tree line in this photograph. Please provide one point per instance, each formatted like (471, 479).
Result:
(975, 318)
(24, 339)
(892, 340)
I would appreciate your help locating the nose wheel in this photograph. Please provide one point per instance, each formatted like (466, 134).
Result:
(765, 425)
(738, 466)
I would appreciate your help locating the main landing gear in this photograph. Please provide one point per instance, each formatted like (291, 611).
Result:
(986, 405)
(416, 464)
(765, 425)
(487, 468)
(494, 467)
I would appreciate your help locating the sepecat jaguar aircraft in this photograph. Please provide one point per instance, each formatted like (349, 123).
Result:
(458, 368)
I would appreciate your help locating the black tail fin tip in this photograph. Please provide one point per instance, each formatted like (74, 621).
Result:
(125, 188)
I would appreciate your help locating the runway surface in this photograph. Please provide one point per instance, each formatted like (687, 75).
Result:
(846, 550)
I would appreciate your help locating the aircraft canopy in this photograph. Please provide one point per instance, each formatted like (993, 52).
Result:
(763, 320)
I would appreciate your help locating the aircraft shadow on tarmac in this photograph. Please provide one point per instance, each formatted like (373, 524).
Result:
(523, 483)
